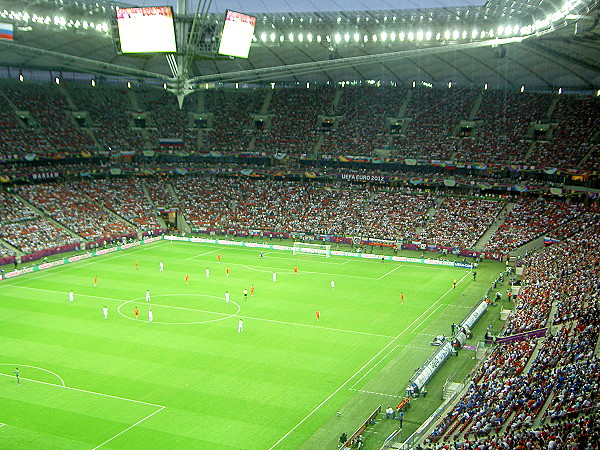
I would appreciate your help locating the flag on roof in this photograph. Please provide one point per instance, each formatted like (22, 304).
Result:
(6, 31)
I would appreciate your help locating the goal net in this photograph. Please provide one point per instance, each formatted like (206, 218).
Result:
(315, 249)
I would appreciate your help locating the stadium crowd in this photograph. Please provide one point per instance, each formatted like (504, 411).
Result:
(294, 124)
(233, 127)
(74, 119)
(25, 230)
(69, 205)
(518, 395)
(435, 114)
(528, 220)
(460, 221)
(318, 208)
(124, 197)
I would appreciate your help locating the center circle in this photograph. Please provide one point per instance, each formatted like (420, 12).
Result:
(225, 316)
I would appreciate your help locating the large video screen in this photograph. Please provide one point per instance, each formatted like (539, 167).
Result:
(238, 31)
(146, 30)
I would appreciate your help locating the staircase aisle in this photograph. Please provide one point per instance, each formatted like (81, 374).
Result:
(494, 227)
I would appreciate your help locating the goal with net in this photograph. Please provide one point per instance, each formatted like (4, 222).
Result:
(315, 249)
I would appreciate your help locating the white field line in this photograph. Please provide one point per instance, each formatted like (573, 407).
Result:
(85, 295)
(130, 427)
(62, 382)
(201, 254)
(279, 270)
(86, 391)
(142, 301)
(391, 271)
(373, 367)
(269, 255)
(2, 424)
(354, 375)
(439, 306)
(48, 272)
(425, 318)
(318, 327)
(377, 393)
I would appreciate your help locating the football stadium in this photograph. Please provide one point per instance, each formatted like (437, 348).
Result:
(299, 225)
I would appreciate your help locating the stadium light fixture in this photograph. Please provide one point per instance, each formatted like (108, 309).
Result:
(414, 84)
(356, 37)
(401, 36)
(57, 80)
(291, 37)
(559, 91)
(374, 38)
(392, 36)
(263, 37)
(21, 77)
(384, 36)
(309, 37)
(273, 36)
(129, 85)
(485, 86)
(164, 84)
(447, 34)
(522, 88)
(428, 35)
(318, 38)
(346, 37)
(300, 37)
(94, 83)
(411, 36)
(449, 84)
(420, 35)
(455, 34)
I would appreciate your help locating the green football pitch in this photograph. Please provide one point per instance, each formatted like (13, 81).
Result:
(189, 379)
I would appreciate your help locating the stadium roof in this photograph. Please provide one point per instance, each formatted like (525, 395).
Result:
(538, 44)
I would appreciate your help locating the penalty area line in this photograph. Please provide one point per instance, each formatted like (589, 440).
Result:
(192, 258)
(391, 271)
(130, 427)
(85, 391)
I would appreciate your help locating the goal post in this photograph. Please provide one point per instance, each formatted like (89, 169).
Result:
(314, 249)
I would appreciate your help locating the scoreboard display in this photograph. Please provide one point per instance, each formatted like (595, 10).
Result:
(147, 29)
(238, 31)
